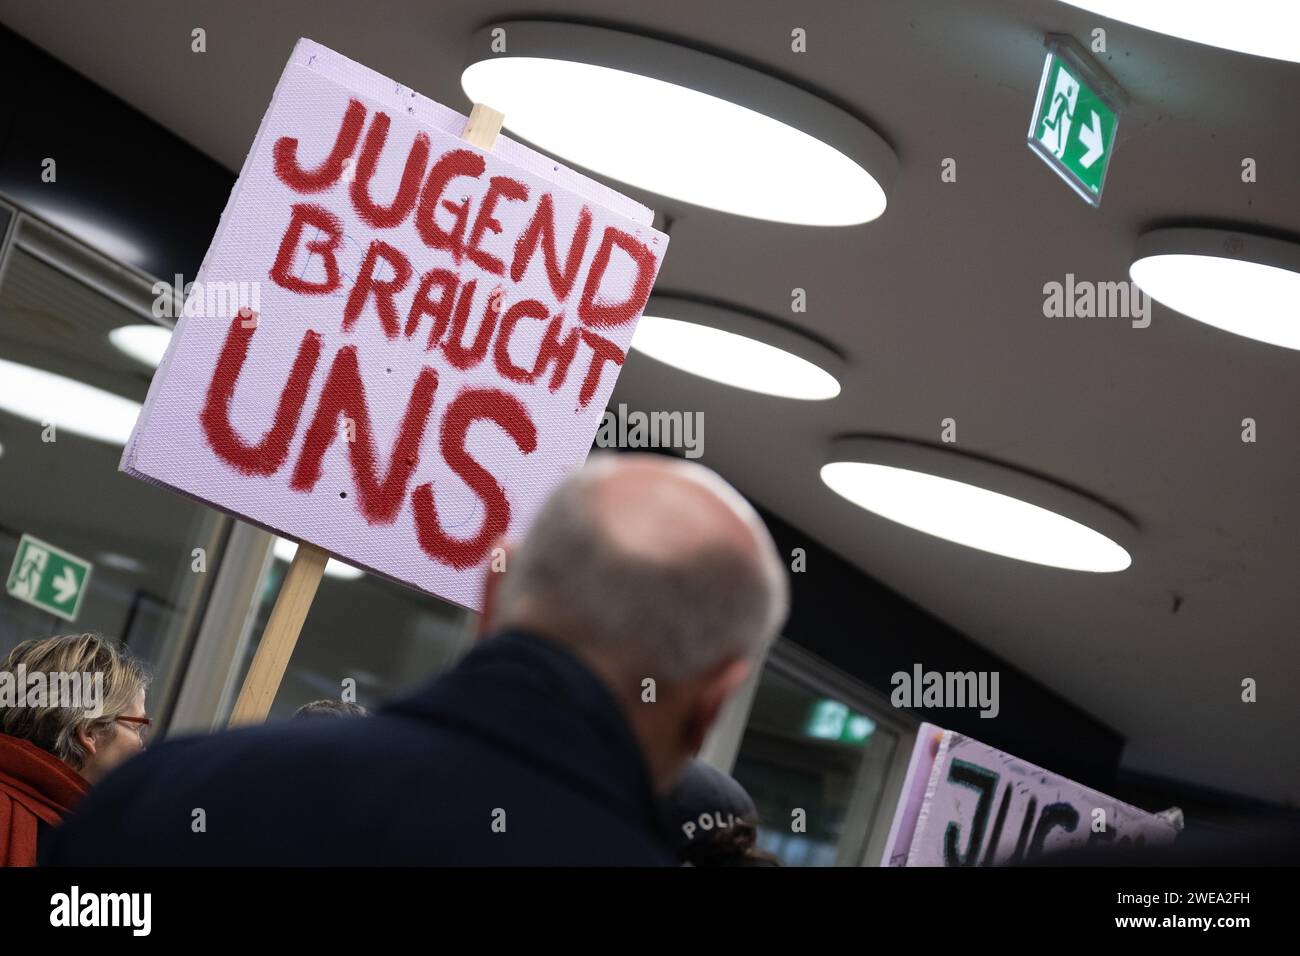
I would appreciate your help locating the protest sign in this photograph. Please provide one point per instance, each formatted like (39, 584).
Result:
(439, 318)
(439, 329)
(966, 804)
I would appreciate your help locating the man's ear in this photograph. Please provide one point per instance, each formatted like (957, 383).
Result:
(498, 565)
(716, 689)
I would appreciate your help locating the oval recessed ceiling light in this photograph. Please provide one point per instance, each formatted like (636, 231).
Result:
(66, 403)
(883, 477)
(104, 238)
(1244, 284)
(120, 562)
(284, 550)
(736, 349)
(144, 343)
(1260, 27)
(683, 124)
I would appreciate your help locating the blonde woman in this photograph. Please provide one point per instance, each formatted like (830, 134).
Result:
(71, 709)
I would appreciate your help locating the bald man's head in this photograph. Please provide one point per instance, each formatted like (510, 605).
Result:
(654, 560)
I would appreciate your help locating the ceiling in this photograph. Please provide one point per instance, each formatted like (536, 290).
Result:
(937, 307)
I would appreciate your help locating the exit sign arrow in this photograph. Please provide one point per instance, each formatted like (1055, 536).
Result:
(66, 585)
(1090, 136)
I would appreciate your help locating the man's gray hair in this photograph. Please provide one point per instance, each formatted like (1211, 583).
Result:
(675, 615)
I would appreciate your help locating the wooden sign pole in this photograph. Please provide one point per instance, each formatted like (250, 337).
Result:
(483, 126)
(303, 578)
(280, 635)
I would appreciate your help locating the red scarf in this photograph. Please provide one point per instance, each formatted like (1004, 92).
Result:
(34, 786)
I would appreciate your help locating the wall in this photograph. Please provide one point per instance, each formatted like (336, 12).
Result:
(857, 624)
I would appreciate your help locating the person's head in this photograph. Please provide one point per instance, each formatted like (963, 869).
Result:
(92, 728)
(713, 819)
(649, 568)
(331, 708)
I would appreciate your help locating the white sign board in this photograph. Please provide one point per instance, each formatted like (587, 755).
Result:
(398, 343)
(967, 804)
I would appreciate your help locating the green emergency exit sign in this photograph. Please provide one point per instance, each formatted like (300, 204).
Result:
(1075, 119)
(48, 577)
(831, 720)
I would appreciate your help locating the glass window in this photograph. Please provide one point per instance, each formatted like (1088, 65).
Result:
(384, 637)
(805, 750)
(60, 444)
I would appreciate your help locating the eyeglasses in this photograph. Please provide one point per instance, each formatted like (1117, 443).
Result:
(142, 725)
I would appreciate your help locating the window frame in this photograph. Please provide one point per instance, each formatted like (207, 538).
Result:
(871, 810)
(215, 626)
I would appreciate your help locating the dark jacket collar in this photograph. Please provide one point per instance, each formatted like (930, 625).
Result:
(536, 699)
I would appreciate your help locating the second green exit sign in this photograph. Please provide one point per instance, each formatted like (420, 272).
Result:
(1075, 118)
